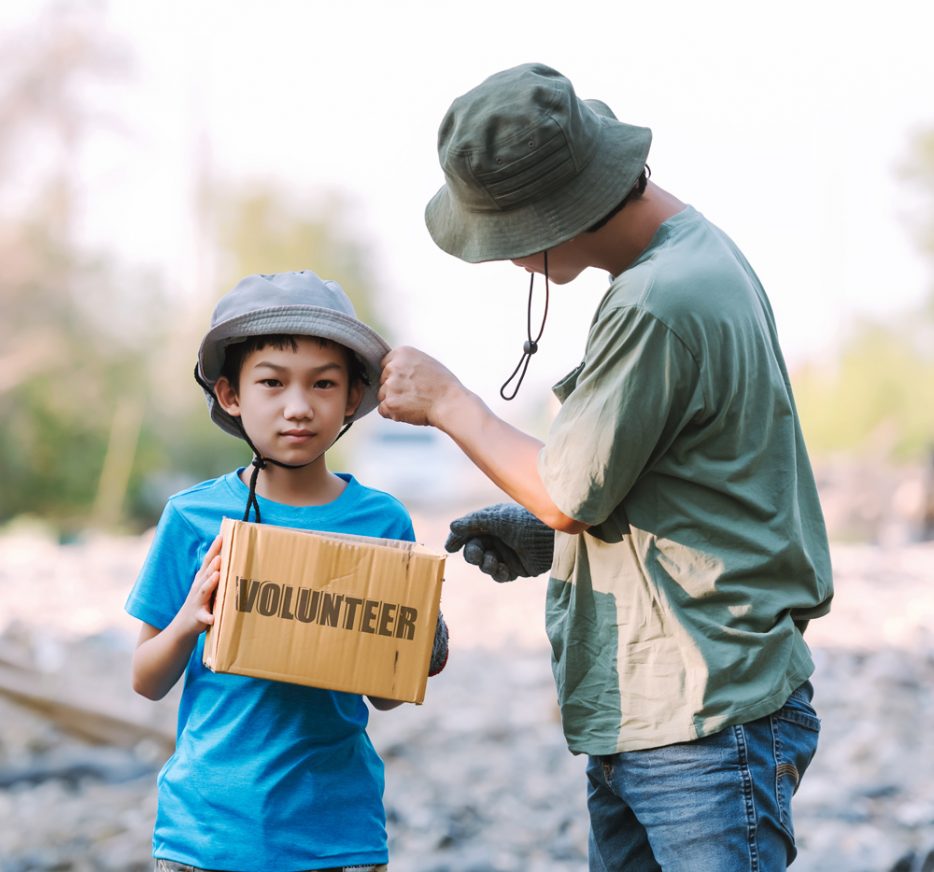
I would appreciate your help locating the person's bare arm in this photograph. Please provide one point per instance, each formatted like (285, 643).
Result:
(161, 656)
(417, 389)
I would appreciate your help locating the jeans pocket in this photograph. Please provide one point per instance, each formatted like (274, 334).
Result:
(795, 731)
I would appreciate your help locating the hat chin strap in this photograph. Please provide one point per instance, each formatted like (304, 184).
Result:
(259, 462)
(531, 345)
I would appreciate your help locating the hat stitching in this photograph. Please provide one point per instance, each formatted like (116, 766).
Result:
(326, 327)
(257, 327)
(509, 185)
(294, 319)
(481, 188)
(271, 312)
(524, 161)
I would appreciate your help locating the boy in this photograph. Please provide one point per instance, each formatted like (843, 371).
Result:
(690, 549)
(267, 775)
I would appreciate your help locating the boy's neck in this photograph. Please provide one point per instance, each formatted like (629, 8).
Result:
(312, 485)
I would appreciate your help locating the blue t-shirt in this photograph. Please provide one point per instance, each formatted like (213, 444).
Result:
(265, 775)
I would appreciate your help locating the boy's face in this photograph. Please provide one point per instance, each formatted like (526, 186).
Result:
(293, 403)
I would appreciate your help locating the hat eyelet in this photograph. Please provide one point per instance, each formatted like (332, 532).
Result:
(531, 143)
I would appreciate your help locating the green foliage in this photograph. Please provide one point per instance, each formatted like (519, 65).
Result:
(63, 372)
(877, 398)
(261, 228)
(101, 417)
(918, 174)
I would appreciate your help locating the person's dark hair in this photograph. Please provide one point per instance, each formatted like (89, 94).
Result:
(635, 192)
(235, 354)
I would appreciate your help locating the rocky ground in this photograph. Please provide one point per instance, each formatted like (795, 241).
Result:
(479, 777)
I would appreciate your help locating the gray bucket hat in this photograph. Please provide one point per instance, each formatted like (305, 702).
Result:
(528, 165)
(297, 303)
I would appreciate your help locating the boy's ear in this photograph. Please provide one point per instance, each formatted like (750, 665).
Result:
(354, 398)
(226, 396)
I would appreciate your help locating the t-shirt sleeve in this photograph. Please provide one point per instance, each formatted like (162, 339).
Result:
(637, 386)
(163, 583)
(400, 523)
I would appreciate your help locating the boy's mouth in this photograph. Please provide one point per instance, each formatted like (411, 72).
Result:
(297, 435)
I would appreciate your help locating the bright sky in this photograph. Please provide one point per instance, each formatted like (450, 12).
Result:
(783, 123)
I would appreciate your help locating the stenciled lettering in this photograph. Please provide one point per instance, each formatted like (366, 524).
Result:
(307, 609)
(376, 617)
(246, 594)
(370, 609)
(351, 603)
(405, 623)
(330, 608)
(387, 614)
(269, 596)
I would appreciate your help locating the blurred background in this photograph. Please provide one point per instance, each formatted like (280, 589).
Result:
(153, 154)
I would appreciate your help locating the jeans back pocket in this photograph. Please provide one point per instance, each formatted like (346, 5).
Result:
(795, 731)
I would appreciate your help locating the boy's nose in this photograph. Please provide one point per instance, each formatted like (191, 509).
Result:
(297, 406)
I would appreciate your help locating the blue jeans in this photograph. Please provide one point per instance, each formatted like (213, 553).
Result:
(717, 804)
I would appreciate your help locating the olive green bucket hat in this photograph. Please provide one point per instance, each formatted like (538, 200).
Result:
(528, 165)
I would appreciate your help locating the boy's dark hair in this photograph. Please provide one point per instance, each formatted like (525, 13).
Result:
(235, 354)
(634, 193)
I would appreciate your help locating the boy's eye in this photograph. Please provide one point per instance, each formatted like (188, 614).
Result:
(324, 383)
(270, 382)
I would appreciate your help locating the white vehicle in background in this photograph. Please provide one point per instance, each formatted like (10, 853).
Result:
(419, 465)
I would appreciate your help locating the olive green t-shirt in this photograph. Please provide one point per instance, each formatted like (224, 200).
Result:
(680, 611)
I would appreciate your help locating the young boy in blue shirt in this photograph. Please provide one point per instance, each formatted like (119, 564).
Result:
(267, 775)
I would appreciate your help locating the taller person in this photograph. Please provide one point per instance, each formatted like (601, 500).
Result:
(672, 503)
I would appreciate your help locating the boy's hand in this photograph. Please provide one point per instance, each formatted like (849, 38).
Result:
(162, 655)
(198, 608)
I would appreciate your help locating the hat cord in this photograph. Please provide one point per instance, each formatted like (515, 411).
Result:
(259, 462)
(531, 345)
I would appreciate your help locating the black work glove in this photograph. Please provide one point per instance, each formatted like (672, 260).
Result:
(504, 540)
(439, 650)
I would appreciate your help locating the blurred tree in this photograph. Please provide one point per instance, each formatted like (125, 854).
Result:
(878, 397)
(261, 229)
(918, 174)
(61, 370)
(100, 418)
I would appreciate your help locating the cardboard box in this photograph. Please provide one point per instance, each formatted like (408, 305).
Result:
(350, 613)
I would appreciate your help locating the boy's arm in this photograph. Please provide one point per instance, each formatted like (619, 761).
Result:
(437, 662)
(161, 656)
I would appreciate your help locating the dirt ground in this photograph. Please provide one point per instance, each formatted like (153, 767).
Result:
(478, 778)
